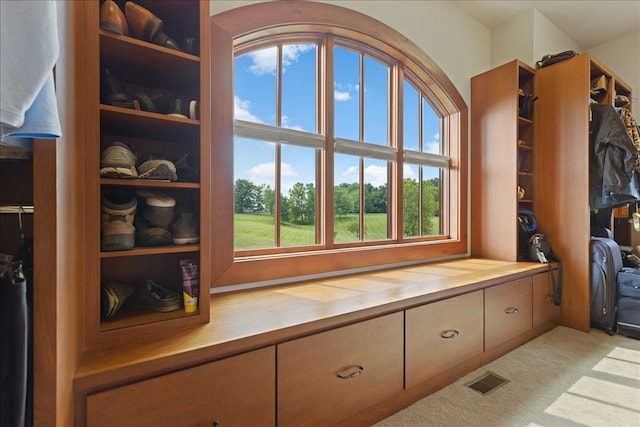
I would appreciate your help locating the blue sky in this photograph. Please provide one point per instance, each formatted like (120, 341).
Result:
(255, 100)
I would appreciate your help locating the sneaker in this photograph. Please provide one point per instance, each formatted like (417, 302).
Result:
(156, 166)
(154, 297)
(148, 235)
(158, 208)
(184, 229)
(118, 160)
(117, 216)
(114, 294)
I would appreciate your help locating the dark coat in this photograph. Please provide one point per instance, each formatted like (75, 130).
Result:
(612, 177)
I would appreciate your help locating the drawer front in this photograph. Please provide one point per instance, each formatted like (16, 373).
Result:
(326, 378)
(508, 311)
(441, 335)
(544, 310)
(237, 391)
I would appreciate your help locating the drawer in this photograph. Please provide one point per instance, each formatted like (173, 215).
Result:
(544, 310)
(325, 378)
(441, 335)
(508, 311)
(237, 391)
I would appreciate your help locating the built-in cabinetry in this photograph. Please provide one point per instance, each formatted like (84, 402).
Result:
(502, 160)
(324, 379)
(142, 68)
(349, 369)
(237, 391)
(562, 149)
(441, 335)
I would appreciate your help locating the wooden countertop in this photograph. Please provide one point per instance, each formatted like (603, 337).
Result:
(252, 319)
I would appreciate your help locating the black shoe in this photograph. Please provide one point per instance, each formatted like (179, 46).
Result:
(178, 108)
(112, 91)
(164, 40)
(154, 101)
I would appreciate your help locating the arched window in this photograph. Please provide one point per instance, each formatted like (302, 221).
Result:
(338, 145)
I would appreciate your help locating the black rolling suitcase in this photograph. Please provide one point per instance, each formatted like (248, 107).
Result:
(606, 262)
(629, 302)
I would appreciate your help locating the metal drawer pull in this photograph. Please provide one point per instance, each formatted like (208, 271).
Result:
(347, 374)
(451, 333)
(511, 310)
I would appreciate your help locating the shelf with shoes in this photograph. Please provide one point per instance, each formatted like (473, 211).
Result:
(148, 179)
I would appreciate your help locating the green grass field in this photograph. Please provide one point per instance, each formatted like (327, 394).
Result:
(257, 231)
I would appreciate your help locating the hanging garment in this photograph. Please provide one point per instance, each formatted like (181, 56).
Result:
(14, 340)
(612, 165)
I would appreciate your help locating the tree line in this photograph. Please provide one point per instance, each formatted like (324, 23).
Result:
(299, 206)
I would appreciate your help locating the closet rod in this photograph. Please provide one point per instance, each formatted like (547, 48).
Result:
(15, 209)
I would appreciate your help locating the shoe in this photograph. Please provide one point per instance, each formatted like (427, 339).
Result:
(156, 166)
(190, 45)
(142, 23)
(154, 100)
(164, 40)
(184, 170)
(112, 19)
(194, 110)
(112, 91)
(118, 160)
(184, 229)
(154, 297)
(158, 209)
(113, 296)
(117, 216)
(178, 108)
(149, 235)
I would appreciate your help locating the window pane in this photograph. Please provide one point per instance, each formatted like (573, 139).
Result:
(431, 196)
(376, 178)
(299, 87)
(346, 94)
(346, 198)
(376, 102)
(410, 116)
(298, 218)
(254, 183)
(431, 129)
(254, 82)
(410, 202)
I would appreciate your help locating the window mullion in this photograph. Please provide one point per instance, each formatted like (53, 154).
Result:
(278, 154)
(327, 79)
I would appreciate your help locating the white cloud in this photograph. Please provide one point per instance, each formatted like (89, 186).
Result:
(341, 96)
(409, 172)
(265, 60)
(375, 175)
(241, 111)
(264, 173)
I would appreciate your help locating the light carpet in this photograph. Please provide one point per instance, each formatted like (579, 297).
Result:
(564, 377)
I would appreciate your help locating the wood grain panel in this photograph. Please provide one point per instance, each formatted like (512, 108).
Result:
(562, 158)
(310, 392)
(502, 322)
(238, 391)
(544, 310)
(428, 351)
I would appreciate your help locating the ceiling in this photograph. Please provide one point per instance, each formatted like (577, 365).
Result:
(589, 23)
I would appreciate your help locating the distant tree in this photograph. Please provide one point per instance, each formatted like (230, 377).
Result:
(410, 209)
(247, 197)
(269, 200)
(343, 200)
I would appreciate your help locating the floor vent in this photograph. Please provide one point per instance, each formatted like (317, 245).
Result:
(487, 383)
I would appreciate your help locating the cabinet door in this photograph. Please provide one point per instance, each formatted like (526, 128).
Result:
(544, 310)
(238, 391)
(508, 311)
(326, 378)
(441, 335)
